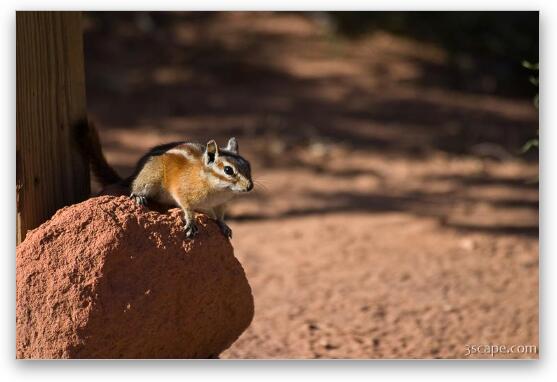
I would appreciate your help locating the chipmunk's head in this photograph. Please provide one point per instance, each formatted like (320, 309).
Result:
(226, 168)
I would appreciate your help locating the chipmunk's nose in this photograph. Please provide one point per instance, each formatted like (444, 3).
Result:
(250, 186)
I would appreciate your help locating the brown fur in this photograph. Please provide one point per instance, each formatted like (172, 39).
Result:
(216, 174)
(181, 179)
(188, 150)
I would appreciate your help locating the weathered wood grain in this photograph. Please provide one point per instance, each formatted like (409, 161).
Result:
(50, 96)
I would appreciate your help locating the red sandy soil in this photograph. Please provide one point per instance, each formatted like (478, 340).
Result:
(393, 217)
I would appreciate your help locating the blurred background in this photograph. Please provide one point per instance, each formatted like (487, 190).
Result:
(396, 213)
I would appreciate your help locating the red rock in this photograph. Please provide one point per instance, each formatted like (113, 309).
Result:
(107, 278)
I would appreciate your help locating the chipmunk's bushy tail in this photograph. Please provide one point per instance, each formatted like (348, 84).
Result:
(89, 145)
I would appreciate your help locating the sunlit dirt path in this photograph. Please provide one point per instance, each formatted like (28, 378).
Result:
(393, 216)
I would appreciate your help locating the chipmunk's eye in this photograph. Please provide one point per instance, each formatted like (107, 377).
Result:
(228, 170)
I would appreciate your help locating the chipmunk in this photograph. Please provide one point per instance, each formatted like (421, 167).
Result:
(191, 176)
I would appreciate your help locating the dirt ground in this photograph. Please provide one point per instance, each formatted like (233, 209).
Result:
(392, 217)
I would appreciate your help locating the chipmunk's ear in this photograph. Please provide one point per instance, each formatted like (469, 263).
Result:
(211, 152)
(232, 145)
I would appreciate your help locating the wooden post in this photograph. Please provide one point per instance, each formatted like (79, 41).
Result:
(50, 96)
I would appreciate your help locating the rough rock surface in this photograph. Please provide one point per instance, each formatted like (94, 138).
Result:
(110, 279)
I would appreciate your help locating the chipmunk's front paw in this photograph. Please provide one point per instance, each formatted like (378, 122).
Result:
(190, 230)
(141, 200)
(225, 228)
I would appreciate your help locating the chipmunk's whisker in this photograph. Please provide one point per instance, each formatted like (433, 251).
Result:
(260, 185)
(261, 180)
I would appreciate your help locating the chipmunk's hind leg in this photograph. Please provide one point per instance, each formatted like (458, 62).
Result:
(147, 183)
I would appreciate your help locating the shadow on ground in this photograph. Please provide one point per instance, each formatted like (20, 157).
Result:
(381, 182)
